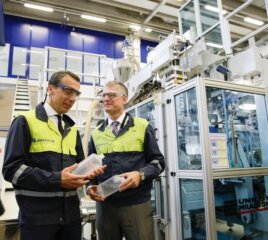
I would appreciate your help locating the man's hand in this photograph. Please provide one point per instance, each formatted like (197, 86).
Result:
(92, 192)
(96, 172)
(71, 181)
(132, 180)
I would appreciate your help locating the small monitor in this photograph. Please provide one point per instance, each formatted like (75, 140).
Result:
(222, 69)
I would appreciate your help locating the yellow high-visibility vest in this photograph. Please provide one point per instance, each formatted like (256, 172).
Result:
(130, 141)
(46, 136)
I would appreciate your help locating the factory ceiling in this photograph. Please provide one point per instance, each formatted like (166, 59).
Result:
(161, 16)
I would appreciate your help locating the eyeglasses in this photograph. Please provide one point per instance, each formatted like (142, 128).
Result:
(68, 90)
(111, 95)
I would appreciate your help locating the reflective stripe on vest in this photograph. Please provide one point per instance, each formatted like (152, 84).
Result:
(46, 137)
(45, 194)
(130, 141)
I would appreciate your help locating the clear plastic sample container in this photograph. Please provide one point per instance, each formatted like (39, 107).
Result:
(88, 164)
(110, 186)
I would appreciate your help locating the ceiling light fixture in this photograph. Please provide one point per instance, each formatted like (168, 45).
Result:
(214, 9)
(135, 27)
(215, 45)
(148, 30)
(253, 21)
(97, 19)
(38, 7)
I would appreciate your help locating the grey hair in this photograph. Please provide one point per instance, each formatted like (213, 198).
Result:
(122, 87)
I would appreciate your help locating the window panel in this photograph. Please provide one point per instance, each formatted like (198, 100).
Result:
(19, 61)
(4, 57)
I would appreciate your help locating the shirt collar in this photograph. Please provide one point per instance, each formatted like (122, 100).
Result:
(120, 119)
(50, 110)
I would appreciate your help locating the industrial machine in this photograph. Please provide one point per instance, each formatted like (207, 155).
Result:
(221, 159)
(209, 112)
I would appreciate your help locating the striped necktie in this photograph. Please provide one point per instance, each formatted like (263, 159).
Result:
(114, 126)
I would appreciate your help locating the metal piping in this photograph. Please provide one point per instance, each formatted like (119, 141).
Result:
(163, 2)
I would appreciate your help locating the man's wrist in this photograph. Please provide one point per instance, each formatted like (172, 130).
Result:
(142, 176)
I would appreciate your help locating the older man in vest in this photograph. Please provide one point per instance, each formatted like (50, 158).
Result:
(131, 151)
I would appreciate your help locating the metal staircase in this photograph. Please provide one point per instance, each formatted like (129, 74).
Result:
(22, 101)
(21, 104)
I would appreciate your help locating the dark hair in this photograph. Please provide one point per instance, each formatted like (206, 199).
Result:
(122, 87)
(58, 76)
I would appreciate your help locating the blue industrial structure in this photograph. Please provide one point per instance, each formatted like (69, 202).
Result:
(27, 33)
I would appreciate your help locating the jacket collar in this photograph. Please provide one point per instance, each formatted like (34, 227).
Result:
(42, 115)
(126, 124)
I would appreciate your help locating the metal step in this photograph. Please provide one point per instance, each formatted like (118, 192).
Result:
(22, 101)
(21, 107)
(22, 94)
(21, 98)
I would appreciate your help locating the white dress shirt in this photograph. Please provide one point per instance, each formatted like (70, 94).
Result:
(51, 113)
(120, 120)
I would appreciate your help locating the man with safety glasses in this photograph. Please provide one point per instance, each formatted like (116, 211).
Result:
(43, 147)
(131, 151)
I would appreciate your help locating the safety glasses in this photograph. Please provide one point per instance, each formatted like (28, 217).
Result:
(68, 90)
(111, 95)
